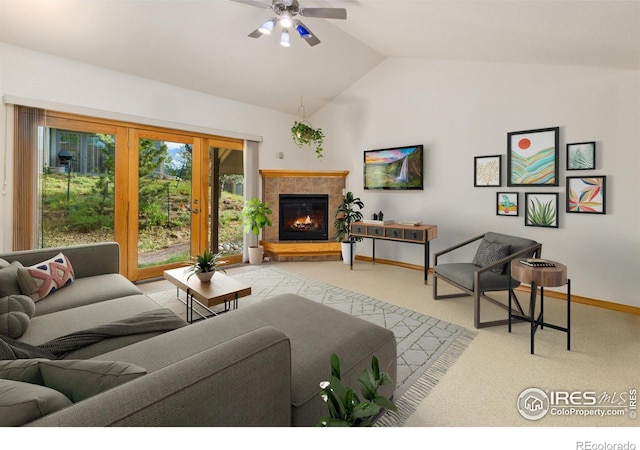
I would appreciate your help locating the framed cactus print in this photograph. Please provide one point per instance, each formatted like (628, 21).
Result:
(532, 157)
(581, 156)
(586, 195)
(507, 204)
(541, 210)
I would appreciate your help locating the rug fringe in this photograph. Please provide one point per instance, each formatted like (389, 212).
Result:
(422, 387)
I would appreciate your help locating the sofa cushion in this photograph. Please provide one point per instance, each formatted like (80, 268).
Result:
(490, 252)
(86, 291)
(14, 324)
(42, 279)
(80, 379)
(9, 279)
(21, 403)
(4, 263)
(17, 303)
(25, 370)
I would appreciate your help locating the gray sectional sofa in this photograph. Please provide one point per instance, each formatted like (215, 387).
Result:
(257, 366)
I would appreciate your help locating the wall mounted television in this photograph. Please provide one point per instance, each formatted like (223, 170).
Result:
(399, 168)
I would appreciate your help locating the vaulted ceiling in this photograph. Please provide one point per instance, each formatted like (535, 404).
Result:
(203, 45)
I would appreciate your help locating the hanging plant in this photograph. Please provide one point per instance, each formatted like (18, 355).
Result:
(304, 134)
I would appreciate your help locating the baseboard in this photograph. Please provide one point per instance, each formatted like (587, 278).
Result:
(548, 293)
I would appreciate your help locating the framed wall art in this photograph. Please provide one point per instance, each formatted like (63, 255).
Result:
(581, 156)
(541, 210)
(507, 204)
(532, 157)
(586, 195)
(487, 171)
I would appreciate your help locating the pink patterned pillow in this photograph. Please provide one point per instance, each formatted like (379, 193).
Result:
(42, 279)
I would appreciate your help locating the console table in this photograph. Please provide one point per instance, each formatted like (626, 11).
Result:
(413, 234)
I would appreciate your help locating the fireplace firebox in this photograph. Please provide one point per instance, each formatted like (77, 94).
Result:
(304, 217)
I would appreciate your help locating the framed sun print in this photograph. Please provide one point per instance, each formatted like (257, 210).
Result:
(487, 171)
(532, 157)
(586, 195)
(581, 156)
(507, 204)
(541, 210)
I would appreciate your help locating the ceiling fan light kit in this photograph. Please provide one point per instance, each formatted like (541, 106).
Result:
(286, 12)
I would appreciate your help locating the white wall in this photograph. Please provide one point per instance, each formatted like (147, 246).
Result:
(459, 110)
(32, 75)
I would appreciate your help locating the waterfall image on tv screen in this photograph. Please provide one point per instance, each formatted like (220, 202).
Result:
(394, 168)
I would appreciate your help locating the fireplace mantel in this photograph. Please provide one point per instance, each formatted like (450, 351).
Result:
(276, 182)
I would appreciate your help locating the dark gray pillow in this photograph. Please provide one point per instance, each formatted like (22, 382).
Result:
(9, 280)
(490, 252)
(21, 403)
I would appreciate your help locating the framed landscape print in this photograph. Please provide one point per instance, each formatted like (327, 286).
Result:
(586, 195)
(487, 171)
(541, 210)
(532, 157)
(507, 204)
(581, 156)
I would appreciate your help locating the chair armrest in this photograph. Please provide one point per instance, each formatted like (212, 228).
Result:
(535, 249)
(245, 381)
(455, 247)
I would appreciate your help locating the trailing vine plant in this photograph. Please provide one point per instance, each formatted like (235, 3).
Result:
(304, 134)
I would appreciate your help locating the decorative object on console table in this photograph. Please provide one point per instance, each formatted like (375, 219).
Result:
(345, 215)
(255, 218)
(205, 266)
(487, 171)
(531, 149)
(507, 204)
(416, 234)
(546, 276)
(586, 195)
(581, 156)
(541, 210)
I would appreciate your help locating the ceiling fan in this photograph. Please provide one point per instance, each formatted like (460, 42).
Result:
(287, 13)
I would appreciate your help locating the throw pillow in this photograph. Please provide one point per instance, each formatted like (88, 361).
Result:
(9, 280)
(3, 263)
(42, 279)
(21, 403)
(17, 303)
(490, 252)
(14, 324)
(25, 370)
(80, 379)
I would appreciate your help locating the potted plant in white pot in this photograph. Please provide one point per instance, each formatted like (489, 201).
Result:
(347, 213)
(205, 266)
(255, 216)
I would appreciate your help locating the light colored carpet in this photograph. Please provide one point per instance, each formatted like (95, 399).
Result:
(482, 387)
(421, 340)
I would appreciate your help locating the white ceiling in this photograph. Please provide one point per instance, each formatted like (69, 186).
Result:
(203, 45)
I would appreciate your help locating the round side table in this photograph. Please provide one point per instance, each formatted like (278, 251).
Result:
(541, 277)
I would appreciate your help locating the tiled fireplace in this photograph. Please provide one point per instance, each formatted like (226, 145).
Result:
(298, 244)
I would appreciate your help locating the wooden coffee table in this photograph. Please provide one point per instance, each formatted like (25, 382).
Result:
(221, 289)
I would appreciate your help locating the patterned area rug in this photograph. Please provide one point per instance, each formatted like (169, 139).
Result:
(427, 346)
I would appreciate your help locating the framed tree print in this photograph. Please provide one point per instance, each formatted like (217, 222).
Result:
(487, 171)
(581, 156)
(507, 204)
(541, 210)
(586, 195)
(532, 157)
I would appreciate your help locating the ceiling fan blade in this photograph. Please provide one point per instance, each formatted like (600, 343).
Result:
(255, 33)
(306, 34)
(254, 3)
(324, 13)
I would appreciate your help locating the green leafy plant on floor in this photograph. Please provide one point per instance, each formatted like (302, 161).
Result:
(255, 216)
(540, 214)
(345, 407)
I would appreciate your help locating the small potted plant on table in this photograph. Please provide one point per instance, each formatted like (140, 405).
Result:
(205, 266)
(255, 218)
(347, 213)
